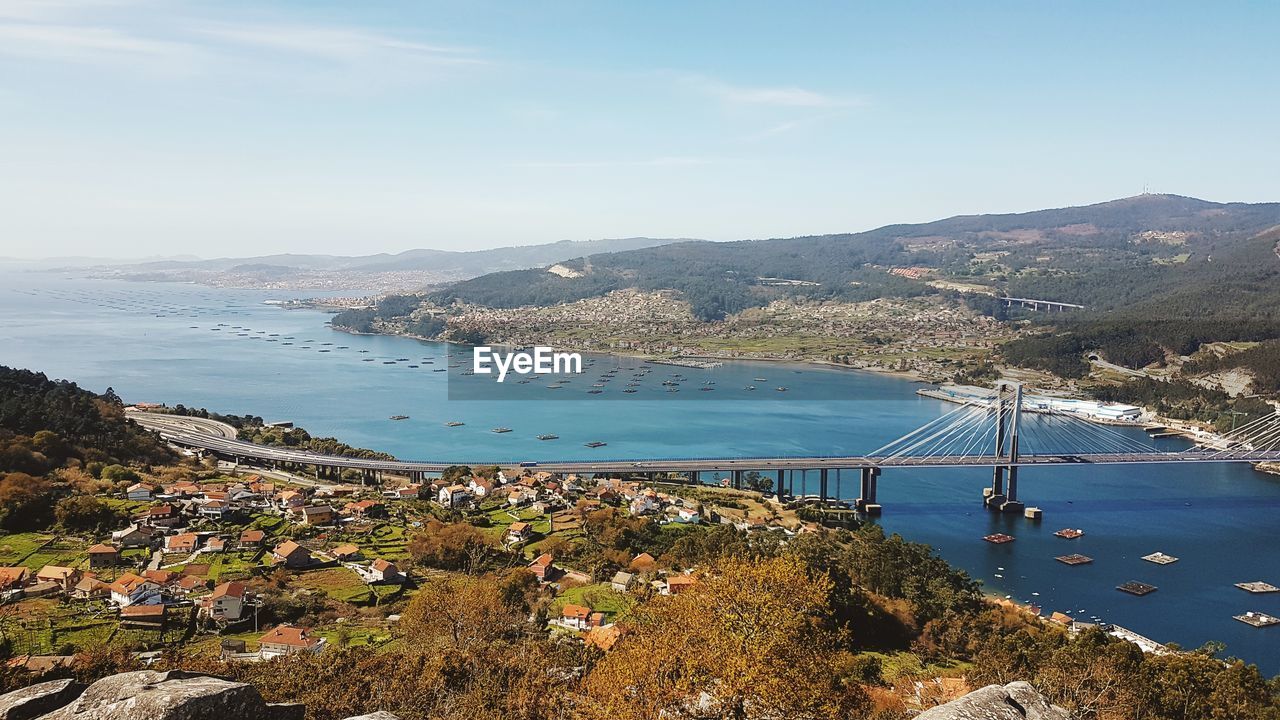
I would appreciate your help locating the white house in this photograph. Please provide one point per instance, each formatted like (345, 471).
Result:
(454, 496)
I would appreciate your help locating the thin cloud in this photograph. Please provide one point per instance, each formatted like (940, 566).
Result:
(82, 42)
(340, 44)
(672, 161)
(794, 97)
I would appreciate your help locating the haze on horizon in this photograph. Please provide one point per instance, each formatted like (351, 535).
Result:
(132, 128)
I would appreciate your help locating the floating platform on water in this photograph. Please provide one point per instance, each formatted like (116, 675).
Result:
(501, 430)
(1258, 619)
(999, 538)
(399, 417)
(1070, 533)
(1133, 587)
(1160, 558)
(595, 444)
(454, 423)
(1074, 559)
(1257, 586)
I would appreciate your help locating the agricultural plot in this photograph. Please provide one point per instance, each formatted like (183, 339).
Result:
(598, 596)
(16, 547)
(338, 583)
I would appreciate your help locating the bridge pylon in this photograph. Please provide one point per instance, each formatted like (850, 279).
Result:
(1007, 408)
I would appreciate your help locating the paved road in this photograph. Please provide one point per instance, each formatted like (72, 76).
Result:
(196, 433)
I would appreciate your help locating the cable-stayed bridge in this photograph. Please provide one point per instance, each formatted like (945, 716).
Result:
(997, 431)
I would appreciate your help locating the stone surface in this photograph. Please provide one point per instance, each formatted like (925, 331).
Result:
(1015, 701)
(171, 695)
(36, 700)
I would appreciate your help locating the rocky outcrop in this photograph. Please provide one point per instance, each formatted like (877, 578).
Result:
(150, 695)
(1015, 701)
(39, 699)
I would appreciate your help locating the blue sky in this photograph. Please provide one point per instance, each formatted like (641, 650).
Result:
(133, 128)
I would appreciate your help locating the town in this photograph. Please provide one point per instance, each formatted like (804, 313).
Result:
(252, 567)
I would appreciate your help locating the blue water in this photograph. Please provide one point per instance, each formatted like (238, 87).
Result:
(157, 342)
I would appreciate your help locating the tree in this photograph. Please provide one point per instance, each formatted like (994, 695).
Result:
(119, 473)
(84, 512)
(749, 640)
(452, 546)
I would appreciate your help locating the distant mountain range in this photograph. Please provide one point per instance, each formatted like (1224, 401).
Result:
(441, 262)
(1148, 243)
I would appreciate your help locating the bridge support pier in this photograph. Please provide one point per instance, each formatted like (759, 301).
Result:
(822, 486)
(866, 501)
(780, 487)
(694, 477)
(736, 481)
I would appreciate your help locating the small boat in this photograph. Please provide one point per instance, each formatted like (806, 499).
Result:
(594, 392)
(454, 423)
(706, 389)
(413, 366)
(760, 379)
(399, 417)
(596, 444)
(780, 389)
(629, 390)
(751, 387)
(363, 359)
(501, 430)
(388, 362)
(439, 370)
(548, 437)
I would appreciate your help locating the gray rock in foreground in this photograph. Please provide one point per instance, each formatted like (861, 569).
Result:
(171, 695)
(1015, 701)
(36, 700)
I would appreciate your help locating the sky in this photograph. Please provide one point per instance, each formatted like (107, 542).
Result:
(134, 128)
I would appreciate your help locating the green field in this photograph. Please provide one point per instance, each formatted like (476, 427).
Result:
(598, 596)
(15, 547)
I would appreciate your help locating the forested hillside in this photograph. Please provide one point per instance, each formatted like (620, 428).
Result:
(55, 438)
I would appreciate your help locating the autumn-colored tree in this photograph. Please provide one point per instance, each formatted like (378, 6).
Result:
(749, 641)
(451, 546)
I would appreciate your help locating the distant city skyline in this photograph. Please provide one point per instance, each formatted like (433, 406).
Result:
(136, 128)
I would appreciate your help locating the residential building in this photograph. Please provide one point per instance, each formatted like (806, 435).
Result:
(316, 515)
(252, 538)
(385, 571)
(130, 589)
(147, 617)
(181, 543)
(518, 532)
(131, 537)
(454, 496)
(64, 577)
(141, 491)
(346, 552)
(543, 567)
(102, 555)
(12, 578)
(226, 602)
(621, 581)
(291, 555)
(287, 640)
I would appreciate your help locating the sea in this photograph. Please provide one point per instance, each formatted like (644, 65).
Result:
(232, 351)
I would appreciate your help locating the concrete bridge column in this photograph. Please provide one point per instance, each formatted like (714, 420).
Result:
(867, 493)
(694, 477)
(780, 487)
(822, 485)
(736, 482)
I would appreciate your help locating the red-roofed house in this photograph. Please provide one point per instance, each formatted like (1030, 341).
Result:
(385, 571)
(226, 602)
(291, 554)
(287, 640)
(101, 555)
(543, 567)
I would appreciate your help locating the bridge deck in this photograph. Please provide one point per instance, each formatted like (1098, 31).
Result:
(206, 435)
